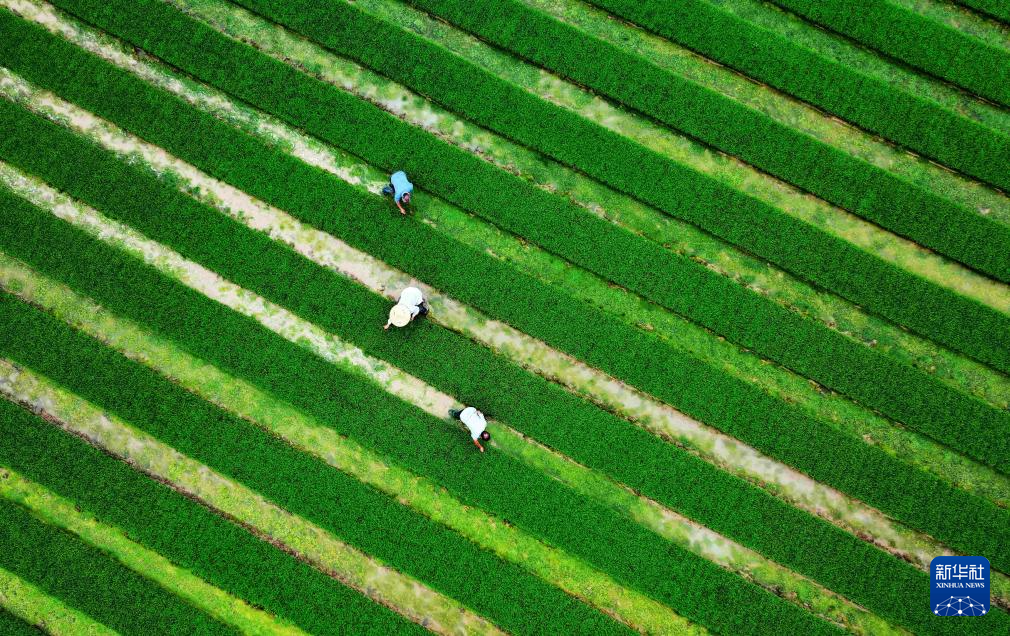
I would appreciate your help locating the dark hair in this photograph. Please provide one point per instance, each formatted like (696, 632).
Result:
(406, 197)
(485, 436)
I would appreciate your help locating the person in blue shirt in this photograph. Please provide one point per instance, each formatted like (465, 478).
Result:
(400, 188)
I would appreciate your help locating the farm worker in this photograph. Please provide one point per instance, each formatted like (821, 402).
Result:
(400, 188)
(410, 305)
(474, 420)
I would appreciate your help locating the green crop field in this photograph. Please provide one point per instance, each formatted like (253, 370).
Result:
(729, 278)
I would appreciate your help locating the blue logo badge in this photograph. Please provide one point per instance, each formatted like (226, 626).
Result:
(959, 586)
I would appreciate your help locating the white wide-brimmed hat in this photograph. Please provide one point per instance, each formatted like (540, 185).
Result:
(399, 316)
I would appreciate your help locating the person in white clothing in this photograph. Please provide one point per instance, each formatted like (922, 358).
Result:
(410, 305)
(475, 422)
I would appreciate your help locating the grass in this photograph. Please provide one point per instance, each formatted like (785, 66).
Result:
(90, 581)
(993, 8)
(652, 274)
(62, 513)
(748, 414)
(310, 395)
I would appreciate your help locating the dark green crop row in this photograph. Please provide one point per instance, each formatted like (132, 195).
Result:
(917, 40)
(87, 579)
(339, 304)
(270, 269)
(916, 122)
(836, 176)
(702, 391)
(904, 393)
(189, 535)
(504, 593)
(999, 9)
(503, 486)
(798, 247)
(14, 626)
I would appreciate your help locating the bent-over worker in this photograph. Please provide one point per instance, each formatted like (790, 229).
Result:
(475, 422)
(410, 305)
(400, 187)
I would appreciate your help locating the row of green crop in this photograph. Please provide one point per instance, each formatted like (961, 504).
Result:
(87, 579)
(917, 40)
(350, 510)
(535, 406)
(430, 447)
(869, 102)
(189, 535)
(647, 362)
(269, 269)
(902, 392)
(803, 249)
(834, 175)
(998, 9)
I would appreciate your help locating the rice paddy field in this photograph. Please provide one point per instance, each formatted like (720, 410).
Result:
(730, 279)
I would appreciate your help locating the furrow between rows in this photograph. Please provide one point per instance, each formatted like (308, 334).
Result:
(864, 368)
(106, 173)
(227, 393)
(458, 226)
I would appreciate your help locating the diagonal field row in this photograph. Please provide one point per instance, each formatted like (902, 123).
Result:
(845, 80)
(353, 265)
(877, 495)
(459, 227)
(777, 148)
(238, 397)
(916, 39)
(778, 334)
(198, 310)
